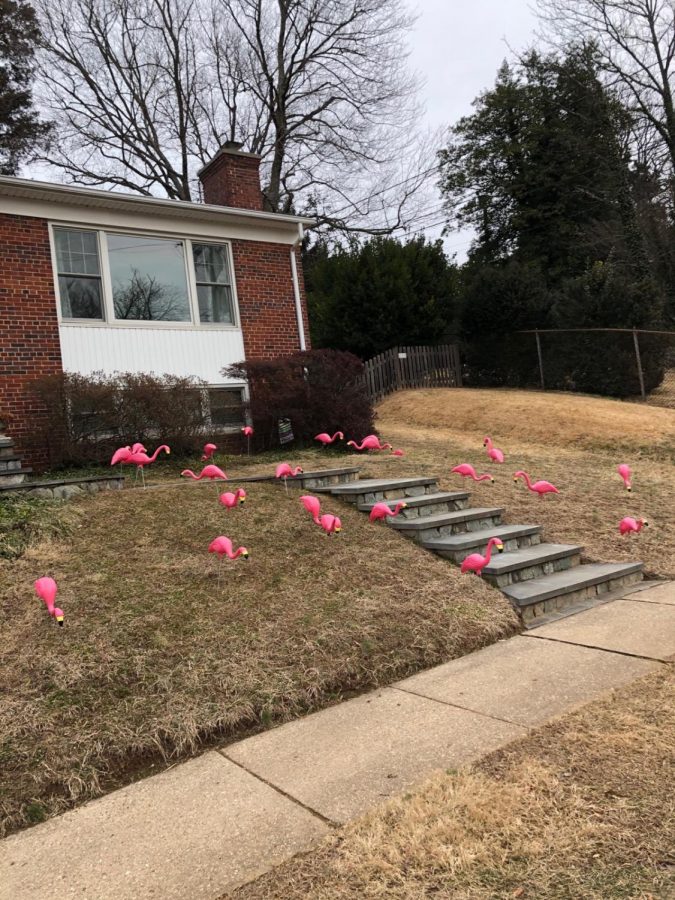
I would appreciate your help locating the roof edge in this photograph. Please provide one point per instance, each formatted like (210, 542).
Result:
(70, 193)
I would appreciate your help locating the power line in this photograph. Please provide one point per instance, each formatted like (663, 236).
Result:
(353, 203)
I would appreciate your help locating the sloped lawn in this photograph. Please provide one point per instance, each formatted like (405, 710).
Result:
(158, 659)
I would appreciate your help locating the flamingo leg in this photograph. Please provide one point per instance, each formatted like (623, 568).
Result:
(142, 476)
(286, 483)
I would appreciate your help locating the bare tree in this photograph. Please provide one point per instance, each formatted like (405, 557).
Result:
(635, 40)
(143, 92)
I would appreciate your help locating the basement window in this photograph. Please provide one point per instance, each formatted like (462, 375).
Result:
(226, 407)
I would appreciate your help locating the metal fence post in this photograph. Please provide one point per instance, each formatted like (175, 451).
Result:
(636, 343)
(541, 363)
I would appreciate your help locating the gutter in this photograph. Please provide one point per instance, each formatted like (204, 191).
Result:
(296, 288)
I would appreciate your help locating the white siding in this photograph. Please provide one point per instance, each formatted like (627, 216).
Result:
(163, 350)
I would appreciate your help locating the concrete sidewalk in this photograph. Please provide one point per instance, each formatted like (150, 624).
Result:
(216, 822)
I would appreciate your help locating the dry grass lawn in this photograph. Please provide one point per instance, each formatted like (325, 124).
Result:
(582, 808)
(157, 659)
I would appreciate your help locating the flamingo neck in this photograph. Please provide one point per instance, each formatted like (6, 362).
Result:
(488, 553)
(484, 477)
(527, 478)
(156, 453)
(338, 434)
(488, 443)
(399, 507)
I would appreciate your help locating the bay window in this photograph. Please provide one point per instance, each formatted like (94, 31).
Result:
(118, 277)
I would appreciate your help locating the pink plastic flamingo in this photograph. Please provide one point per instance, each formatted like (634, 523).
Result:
(211, 472)
(312, 505)
(539, 487)
(330, 524)
(629, 525)
(327, 439)
(468, 471)
(121, 455)
(381, 511)
(475, 562)
(285, 471)
(209, 450)
(493, 452)
(625, 473)
(247, 431)
(46, 590)
(371, 442)
(397, 453)
(231, 500)
(140, 459)
(223, 547)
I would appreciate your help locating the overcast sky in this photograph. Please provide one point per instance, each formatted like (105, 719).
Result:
(457, 46)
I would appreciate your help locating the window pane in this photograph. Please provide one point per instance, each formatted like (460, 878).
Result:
(148, 278)
(80, 297)
(227, 407)
(215, 303)
(211, 263)
(76, 252)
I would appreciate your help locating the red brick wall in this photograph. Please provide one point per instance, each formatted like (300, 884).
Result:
(29, 331)
(232, 179)
(266, 299)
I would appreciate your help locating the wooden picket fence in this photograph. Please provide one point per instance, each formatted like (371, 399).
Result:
(412, 367)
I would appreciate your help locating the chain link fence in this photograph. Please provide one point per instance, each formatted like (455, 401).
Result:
(631, 364)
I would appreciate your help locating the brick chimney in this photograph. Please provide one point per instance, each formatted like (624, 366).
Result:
(232, 178)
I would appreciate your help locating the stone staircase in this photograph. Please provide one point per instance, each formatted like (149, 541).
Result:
(12, 472)
(543, 581)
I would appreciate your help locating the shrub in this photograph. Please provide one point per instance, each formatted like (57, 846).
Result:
(89, 416)
(318, 390)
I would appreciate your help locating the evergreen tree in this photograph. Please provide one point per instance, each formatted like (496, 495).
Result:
(20, 127)
(369, 298)
(540, 164)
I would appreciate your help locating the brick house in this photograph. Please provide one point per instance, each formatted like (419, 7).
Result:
(93, 280)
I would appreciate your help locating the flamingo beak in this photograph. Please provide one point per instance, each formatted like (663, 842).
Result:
(645, 524)
(492, 481)
(500, 548)
(245, 554)
(59, 619)
(629, 489)
(338, 530)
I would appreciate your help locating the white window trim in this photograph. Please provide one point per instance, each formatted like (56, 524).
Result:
(109, 320)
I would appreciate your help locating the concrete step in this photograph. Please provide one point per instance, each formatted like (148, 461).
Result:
(10, 463)
(325, 478)
(541, 597)
(428, 528)
(7, 452)
(428, 504)
(372, 490)
(5, 442)
(13, 476)
(457, 547)
(531, 562)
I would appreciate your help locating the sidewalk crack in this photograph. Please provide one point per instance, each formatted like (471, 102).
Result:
(330, 822)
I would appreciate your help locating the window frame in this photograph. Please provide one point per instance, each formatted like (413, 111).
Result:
(226, 429)
(108, 319)
(57, 275)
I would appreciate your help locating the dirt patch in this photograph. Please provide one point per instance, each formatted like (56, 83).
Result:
(582, 808)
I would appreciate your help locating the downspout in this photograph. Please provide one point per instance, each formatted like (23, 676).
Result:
(296, 288)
